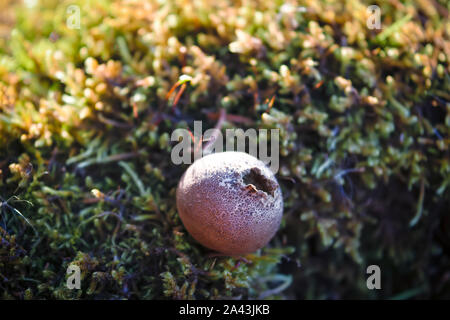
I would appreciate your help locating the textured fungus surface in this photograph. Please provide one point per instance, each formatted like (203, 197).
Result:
(230, 202)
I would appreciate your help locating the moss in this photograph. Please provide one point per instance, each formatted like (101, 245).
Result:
(85, 120)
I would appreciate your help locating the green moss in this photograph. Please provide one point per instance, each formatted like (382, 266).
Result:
(86, 116)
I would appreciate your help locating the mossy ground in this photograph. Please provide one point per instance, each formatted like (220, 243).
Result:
(85, 124)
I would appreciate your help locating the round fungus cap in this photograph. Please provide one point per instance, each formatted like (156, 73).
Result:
(230, 202)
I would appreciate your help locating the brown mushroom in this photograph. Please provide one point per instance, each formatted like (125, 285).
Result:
(230, 202)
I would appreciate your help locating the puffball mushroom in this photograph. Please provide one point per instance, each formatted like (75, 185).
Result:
(230, 202)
